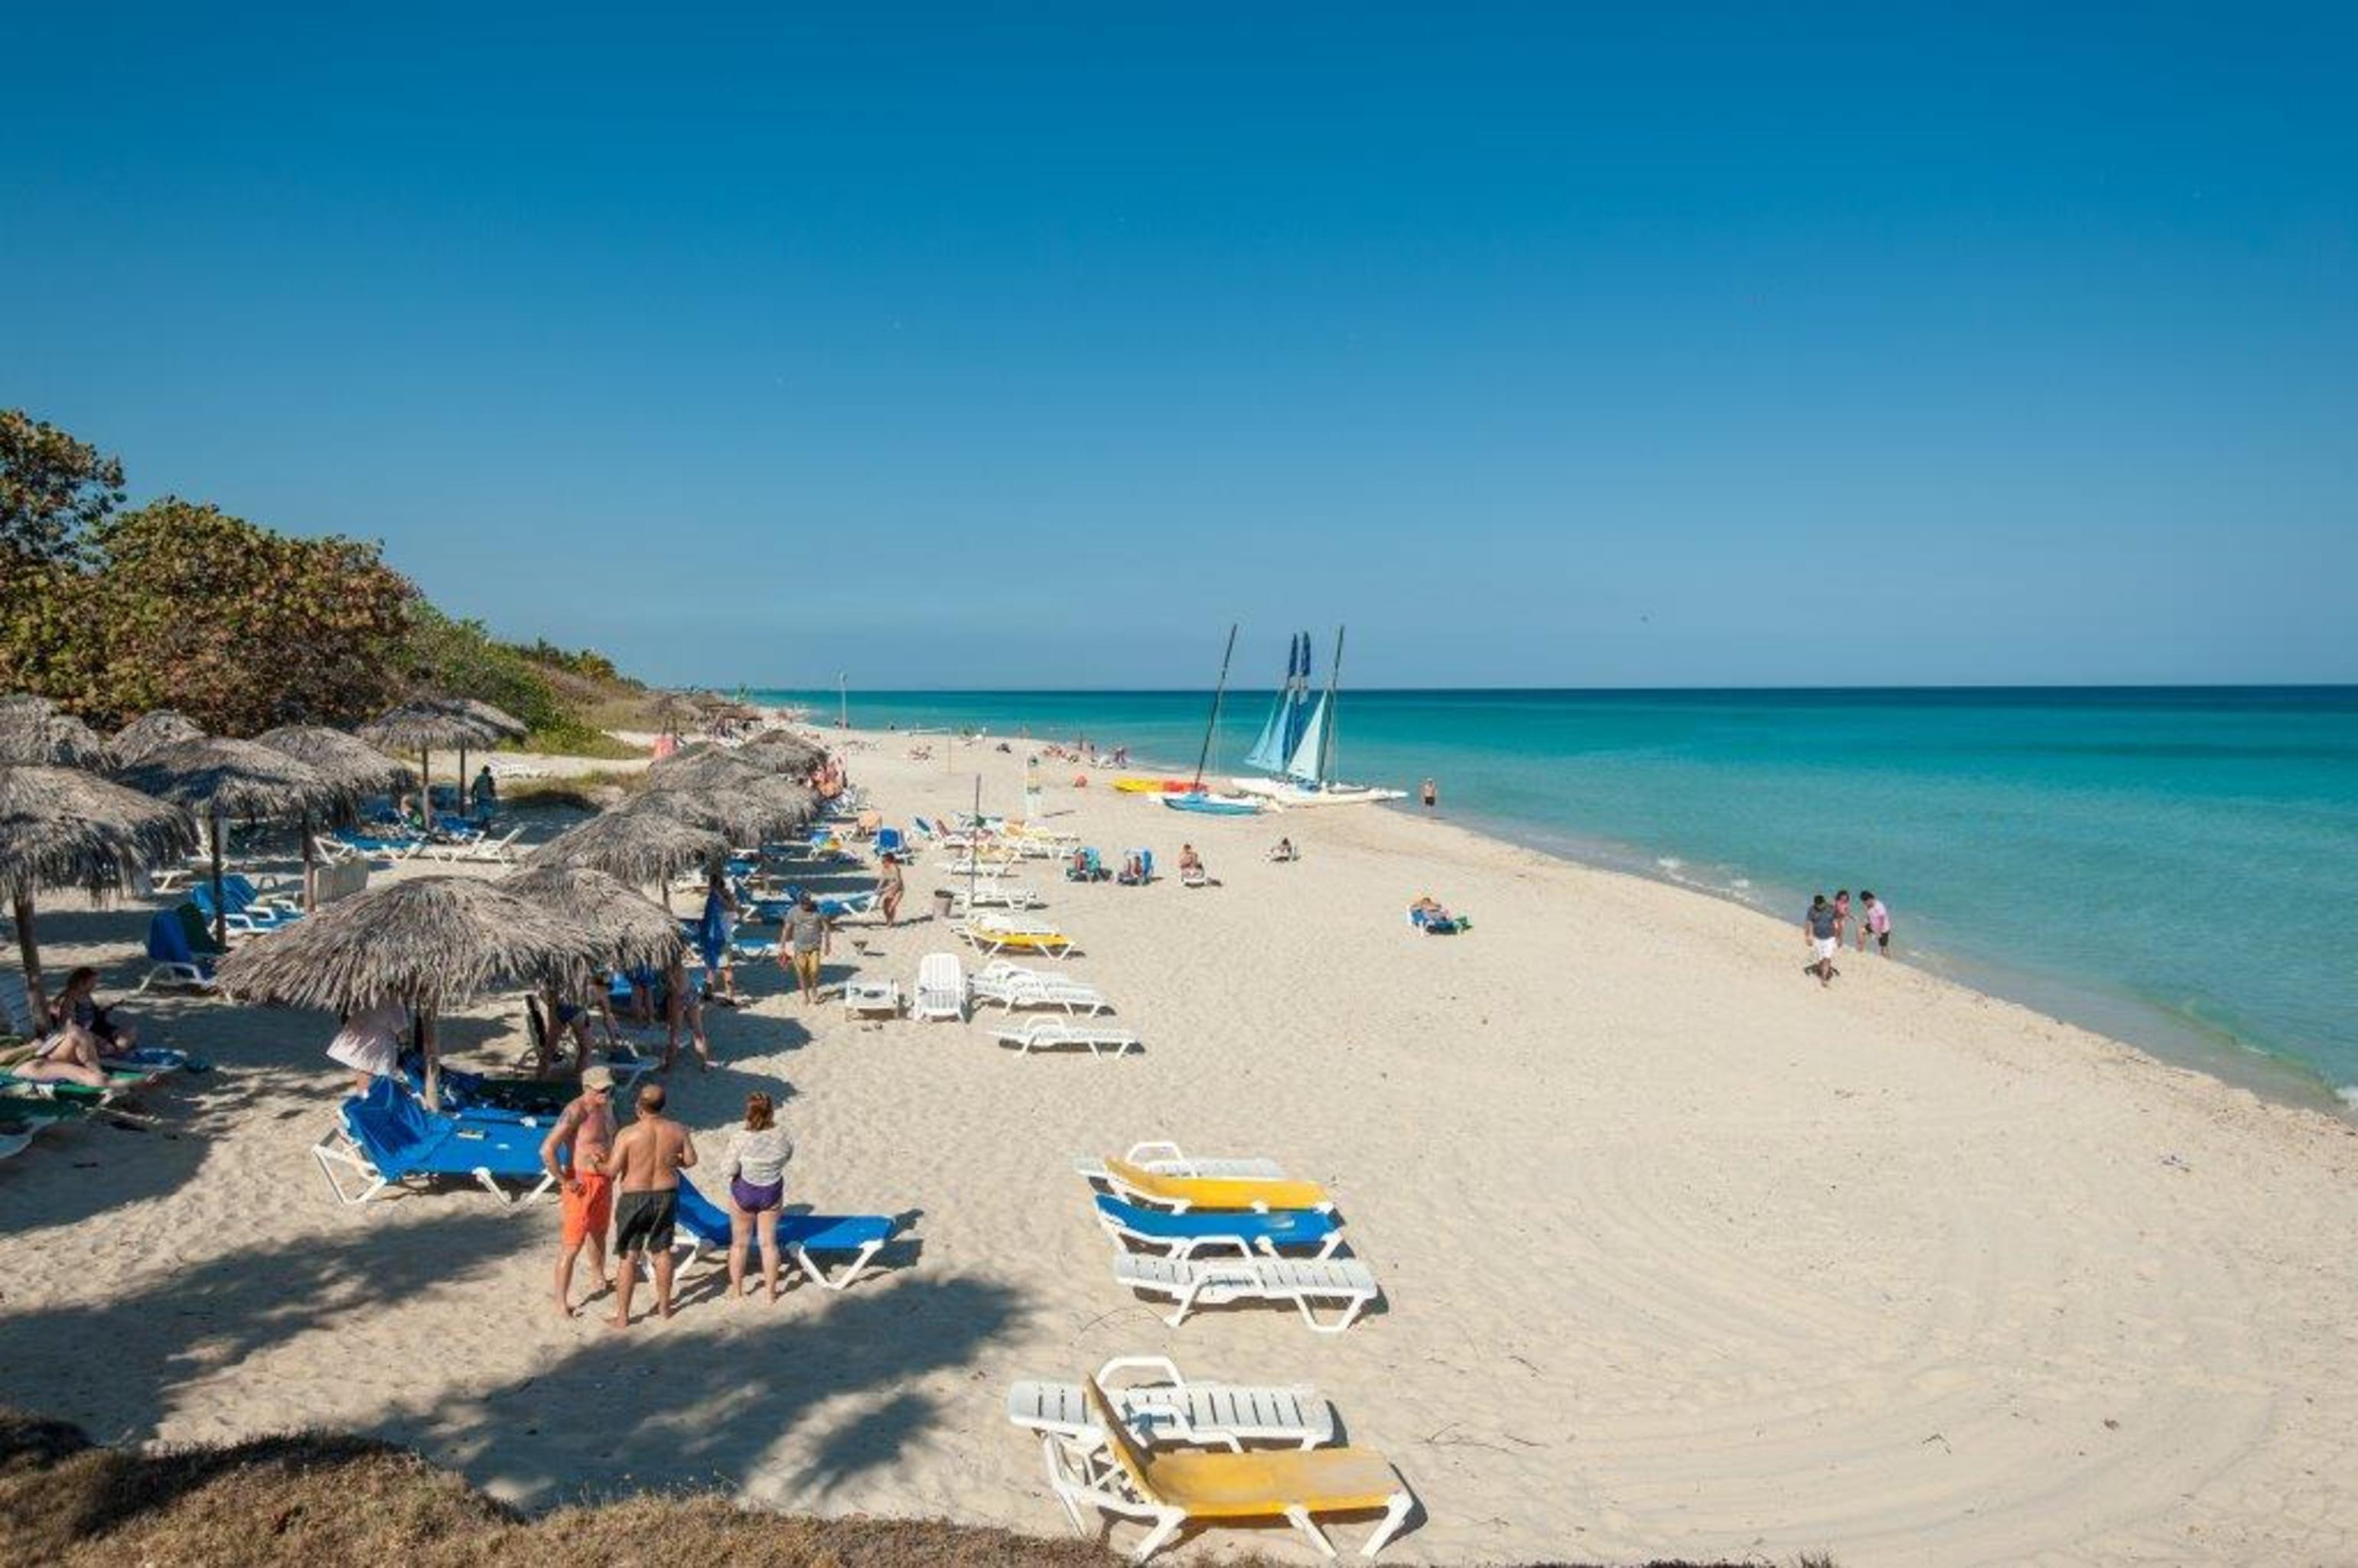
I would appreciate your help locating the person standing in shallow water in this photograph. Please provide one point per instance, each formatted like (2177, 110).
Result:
(1429, 793)
(1818, 930)
(1875, 923)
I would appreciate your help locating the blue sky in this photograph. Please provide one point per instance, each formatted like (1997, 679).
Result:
(1549, 345)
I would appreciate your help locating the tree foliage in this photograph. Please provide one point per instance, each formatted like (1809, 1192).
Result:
(52, 490)
(179, 604)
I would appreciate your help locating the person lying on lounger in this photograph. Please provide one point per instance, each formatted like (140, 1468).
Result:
(69, 1055)
(1284, 850)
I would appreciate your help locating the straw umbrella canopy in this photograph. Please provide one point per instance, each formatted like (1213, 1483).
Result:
(150, 730)
(637, 844)
(420, 726)
(340, 758)
(703, 768)
(220, 778)
(504, 726)
(64, 828)
(33, 733)
(639, 932)
(783, 750)
(430, 943)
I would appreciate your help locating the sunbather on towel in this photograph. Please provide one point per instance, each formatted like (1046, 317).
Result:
(67, 1056)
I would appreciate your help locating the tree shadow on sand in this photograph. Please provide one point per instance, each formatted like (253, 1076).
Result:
(711, 1397)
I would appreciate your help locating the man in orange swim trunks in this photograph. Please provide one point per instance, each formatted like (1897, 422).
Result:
(585, 1135)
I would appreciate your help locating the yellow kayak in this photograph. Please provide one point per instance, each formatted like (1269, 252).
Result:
(1135, 785)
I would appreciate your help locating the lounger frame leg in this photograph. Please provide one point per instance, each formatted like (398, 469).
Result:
(330, 1154)
(1299, 1517)
(1395, 1516)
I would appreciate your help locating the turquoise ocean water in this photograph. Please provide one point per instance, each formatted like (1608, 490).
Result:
(2178, 868)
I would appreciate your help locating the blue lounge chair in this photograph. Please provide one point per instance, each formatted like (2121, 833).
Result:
(1085, 867)
(1145, 869)
(1242, 1232)
(703, 1224)
(1438, 924)
(173, 959)
(241, 914)
(385, 1137)
(891, 841)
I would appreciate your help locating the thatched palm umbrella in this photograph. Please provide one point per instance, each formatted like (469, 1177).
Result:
(220, 779)
(420, 726)
(64, 828)
(149, 731)
(783, 750)
(504, 726)
(639, 932)
(35, 733)
(669, 708)
(428, 942)
(340, 759)
(702, 767)
(638, 844)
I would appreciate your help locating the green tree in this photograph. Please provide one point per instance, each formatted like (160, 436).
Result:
(240, 628)
(53, 489)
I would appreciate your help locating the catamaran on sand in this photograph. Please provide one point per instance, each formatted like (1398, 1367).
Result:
(1297, 745)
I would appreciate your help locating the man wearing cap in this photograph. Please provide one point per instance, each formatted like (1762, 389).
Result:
(575, 1152)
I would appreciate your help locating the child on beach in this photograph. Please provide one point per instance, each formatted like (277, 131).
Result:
(1842, 918)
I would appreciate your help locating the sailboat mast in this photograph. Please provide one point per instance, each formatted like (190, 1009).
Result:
(1219, 691)
(1326, 747)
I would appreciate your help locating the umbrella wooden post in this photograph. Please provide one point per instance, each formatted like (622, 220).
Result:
(431, 1049)
(28, 950)
(220, 910)
(310, 869)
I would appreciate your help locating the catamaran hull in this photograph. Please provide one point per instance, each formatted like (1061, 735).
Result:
(1282, 792)
(1215, 804)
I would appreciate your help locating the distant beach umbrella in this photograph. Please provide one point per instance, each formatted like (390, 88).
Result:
(431, 943)
(34, 732)
(637, 845)
(149, 731)
(64, 828)
(420, 726)
(360, 768)
(498, 720)
(219, 779)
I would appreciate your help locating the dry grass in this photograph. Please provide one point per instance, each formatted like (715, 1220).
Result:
(314, 1498)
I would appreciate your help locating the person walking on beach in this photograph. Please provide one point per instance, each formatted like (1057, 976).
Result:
(805, 940)
(1841, 919)
(1877, 922)
(575, 1155)
(715, 931)
(487, 796)
(645, 1164)
(889, 889)
(1429, 793)
(756, 1163)
(682, 1004)
(1818, 930)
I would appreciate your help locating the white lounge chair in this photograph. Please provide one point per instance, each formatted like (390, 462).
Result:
(941, 988)
(1346, 1283)
(995, 893)
(1053, 1033)
(1166, 1159)
(1170, 1409)
(1170, 1487)
(1011, 987)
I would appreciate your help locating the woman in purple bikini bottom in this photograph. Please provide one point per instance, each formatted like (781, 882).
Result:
(756, 1165)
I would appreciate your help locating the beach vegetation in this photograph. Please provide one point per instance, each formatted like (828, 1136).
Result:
(311, 1498)
(177, 604)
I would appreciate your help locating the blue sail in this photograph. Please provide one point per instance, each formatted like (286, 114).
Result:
(1297, 716)
(1275, 744)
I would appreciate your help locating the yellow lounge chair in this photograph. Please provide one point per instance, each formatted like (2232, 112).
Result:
(1183, 1192)
(1171, 1488)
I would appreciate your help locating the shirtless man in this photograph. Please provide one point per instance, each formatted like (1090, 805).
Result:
(583, 1140)
(645, 1164)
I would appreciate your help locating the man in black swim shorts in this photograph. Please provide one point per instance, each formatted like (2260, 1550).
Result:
(645, 1164)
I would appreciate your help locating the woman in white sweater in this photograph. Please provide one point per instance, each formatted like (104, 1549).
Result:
(757, 1168)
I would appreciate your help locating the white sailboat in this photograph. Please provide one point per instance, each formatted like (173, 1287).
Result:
(1297, 744)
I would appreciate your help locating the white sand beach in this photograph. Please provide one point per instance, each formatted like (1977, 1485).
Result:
(1680, 1254)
